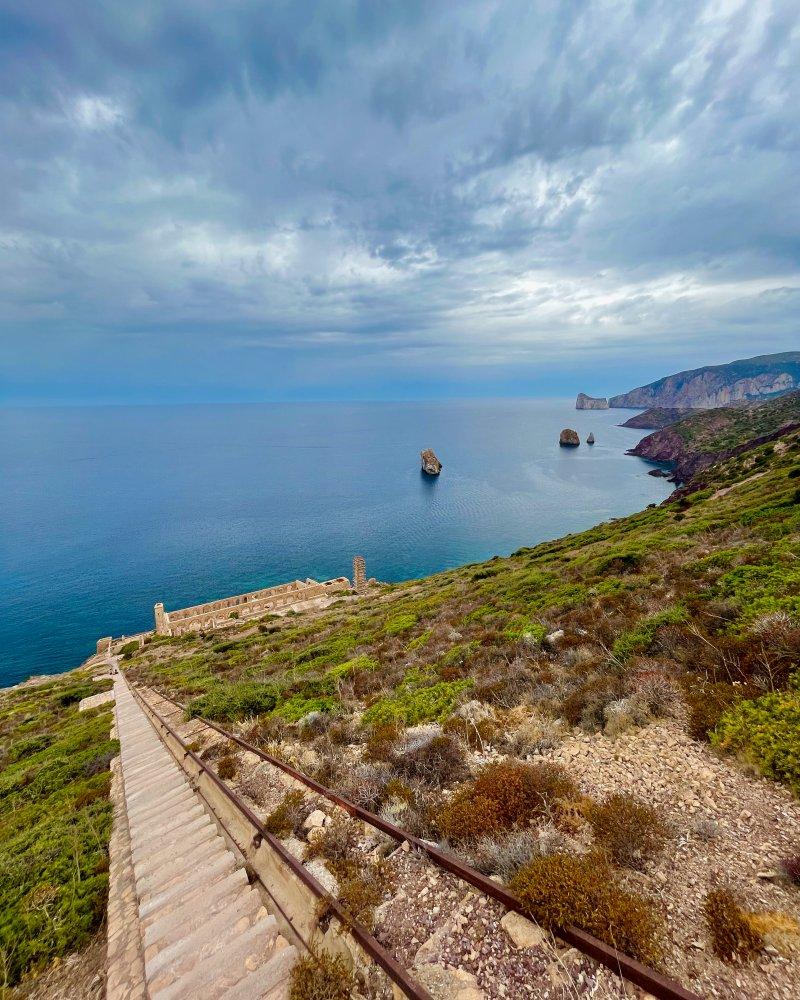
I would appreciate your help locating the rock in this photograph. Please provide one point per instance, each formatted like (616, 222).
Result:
(448, 984)
(431, 465)
(584, 402)
(553, 638)
(569, 438)
(590, 439)
(315, 819)
(523, 932)
(323, 876)
(315, 833)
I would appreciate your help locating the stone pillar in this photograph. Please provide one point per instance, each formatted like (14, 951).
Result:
(162, 622)
(104, 646)
(359, 575)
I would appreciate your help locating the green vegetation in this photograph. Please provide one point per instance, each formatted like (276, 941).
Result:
(766, 731)
(55, 821)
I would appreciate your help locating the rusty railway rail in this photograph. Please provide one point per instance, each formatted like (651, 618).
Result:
(396, 973)
(658, 985)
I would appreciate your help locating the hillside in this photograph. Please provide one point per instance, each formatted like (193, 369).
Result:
(621, 661)
(718, 385)
(702, 439)
(656, 417)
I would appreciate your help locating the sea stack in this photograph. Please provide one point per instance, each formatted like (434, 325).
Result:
(431, 465)
(569, 438)
(584, 402)
(590, 439)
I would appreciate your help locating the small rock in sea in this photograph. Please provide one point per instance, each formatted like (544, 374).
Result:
(431, 465)
(590, 439)
(569, 438)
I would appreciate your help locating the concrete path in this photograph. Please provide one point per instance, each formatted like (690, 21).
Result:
(203, 929)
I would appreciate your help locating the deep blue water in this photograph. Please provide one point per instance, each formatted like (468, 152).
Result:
(109, 509)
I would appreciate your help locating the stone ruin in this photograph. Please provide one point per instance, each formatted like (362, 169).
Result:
(359, 575)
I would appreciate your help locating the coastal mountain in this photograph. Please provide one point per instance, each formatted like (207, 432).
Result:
(718, 385)
(711, 436)
(656, 418)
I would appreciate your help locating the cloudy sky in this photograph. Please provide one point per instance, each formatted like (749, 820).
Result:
(251, 200)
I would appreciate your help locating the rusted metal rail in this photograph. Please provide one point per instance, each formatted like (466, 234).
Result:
(396, 973)
(623, 965)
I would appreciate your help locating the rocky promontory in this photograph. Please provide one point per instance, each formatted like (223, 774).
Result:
(431, 465)
(718, 385)
(584, 402)
(712, 436)
(656, 417)
(569, 438)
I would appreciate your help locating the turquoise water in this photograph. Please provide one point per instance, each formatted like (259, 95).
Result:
(109, 509)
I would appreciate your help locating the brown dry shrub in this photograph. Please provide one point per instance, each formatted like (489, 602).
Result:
(504, 796)
(382, 741)
(474, 733)
(706, 702)
(585, 705)
(733, 935)
(563, 889)
(362, 887)
(322, 977)
(227, 767)
(438, 763)
(335, 845)
(630, 831)
(288, 816)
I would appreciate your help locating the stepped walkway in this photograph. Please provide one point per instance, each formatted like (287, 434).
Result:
(202, 929)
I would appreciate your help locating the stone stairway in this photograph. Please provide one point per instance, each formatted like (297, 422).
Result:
(204, 931)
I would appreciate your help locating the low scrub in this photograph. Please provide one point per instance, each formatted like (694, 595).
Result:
(630, 831)
(322, 977)
(412, 704)
(55, 821)
(505, 796)
(234, 700)
(734, 936)
(766, 732)
(559, 890)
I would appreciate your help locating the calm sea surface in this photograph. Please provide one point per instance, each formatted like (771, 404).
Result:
(106, 510)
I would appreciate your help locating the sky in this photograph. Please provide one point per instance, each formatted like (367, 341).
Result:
(357, 199)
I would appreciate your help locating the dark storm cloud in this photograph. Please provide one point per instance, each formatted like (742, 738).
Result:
(297, 187)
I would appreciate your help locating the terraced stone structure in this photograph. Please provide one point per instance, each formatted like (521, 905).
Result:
(214, 614)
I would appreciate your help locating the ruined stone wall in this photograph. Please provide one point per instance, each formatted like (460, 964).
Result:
(215, 614)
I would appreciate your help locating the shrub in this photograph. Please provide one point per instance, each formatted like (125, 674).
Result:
(504, 854)
(791, 868)
(437, 762)
(561, 889)
(706, 702)
(322, 978)
(630, 831)
(504, 796)
(639, 638)
(767, 733)
(129, 649)
(227, 767)
(414, 705)
(288, 815)
(400, 623)
(234, 701)
(733, 935)
(336, 844)
(363, 888)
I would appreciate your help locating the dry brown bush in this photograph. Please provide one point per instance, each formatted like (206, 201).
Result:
(733, 935)
(630, 831)
(561, 889)
(504, 796)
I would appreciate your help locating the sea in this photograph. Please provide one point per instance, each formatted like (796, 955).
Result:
(106, 510)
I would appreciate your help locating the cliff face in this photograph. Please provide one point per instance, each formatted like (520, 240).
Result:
(711, 436)
(719, 385)
(584, 402)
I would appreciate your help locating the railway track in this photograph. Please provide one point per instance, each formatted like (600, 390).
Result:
(307, 916)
